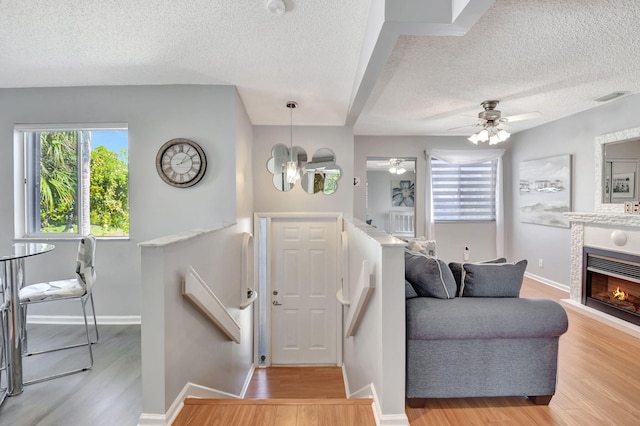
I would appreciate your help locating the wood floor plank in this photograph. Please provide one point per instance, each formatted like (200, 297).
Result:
(287, 415)
(109, 394)
(598, 369)
(294, 382)
(598, 384)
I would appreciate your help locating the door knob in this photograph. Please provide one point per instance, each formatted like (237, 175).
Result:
(276, 303)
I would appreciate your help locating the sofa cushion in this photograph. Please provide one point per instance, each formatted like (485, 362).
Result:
(493, 279)
(430, 277)
(409, 292)
(483, 318)
(458, 272)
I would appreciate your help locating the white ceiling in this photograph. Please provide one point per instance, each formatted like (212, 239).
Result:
(337, 58)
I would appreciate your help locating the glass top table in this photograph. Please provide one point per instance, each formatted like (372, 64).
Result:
(10, 251)
(12, 257)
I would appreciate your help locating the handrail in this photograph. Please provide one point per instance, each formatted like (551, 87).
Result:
(252, 296)
(198, 293)
(363, 290)
(341, 298)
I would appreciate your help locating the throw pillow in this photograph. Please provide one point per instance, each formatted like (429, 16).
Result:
(458, 272)
(493, 280)
(430, 277)
(421, 245)
(409, 292)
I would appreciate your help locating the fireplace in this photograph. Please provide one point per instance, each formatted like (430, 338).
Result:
(611, 283)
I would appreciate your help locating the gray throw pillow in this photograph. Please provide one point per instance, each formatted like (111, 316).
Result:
(458, 272)
(430, 277)
(409, 292)
(493, 279)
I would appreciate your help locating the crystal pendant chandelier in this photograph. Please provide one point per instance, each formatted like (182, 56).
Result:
(292, 172)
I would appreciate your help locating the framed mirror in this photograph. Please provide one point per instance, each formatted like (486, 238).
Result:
(390, 195)
(321, 173)
(277, 165)
(616, 170)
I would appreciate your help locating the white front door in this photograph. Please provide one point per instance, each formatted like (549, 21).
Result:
(304, 282)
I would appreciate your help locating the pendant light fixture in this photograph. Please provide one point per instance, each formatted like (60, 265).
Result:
(292, 172)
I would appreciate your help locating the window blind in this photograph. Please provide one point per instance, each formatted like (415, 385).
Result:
(463, 192)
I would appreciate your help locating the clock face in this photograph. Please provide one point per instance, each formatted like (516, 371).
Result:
(181, 163)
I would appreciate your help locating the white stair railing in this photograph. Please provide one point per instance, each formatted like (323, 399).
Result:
(198, 293)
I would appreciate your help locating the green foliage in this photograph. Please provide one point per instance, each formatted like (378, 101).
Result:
(109, 186)
(58, 178)
(109, 191)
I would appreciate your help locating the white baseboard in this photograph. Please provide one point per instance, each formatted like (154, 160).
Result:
(78, 320)
(247, 381)
(152, 420)
(559, 286)
(369, 391)
(386, 419)
(190, 390)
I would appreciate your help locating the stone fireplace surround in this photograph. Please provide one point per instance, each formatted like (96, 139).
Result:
(608, 231)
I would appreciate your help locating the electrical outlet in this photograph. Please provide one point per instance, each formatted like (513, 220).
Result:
(465, 255)
(540, 263)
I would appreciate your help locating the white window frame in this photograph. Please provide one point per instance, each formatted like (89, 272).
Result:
(21, 192)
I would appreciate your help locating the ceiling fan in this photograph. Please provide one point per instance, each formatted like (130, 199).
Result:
(395, 166)
(493, 124)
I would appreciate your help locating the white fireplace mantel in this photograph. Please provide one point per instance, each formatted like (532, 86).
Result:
(607, 219)
(610, 231)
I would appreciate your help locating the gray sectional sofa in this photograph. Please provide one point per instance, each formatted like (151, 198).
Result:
(470, 335)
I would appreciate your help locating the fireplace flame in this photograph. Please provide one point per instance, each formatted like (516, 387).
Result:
(620, 295)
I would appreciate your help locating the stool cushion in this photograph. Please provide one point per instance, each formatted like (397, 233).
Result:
(51, 290)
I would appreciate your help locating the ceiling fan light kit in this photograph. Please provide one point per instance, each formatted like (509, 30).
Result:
(493, 124)
(396, 168)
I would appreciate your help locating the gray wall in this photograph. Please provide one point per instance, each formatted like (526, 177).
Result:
(155, 114)
(311, 138)
(451, 238)
(573, 135)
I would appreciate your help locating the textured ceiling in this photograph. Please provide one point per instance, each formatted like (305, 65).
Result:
(550, 56)
(533, 55)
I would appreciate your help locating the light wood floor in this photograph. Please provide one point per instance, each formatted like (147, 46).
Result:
(598, 384)
(108, 395)
(296, 396)
(276, 412)
(296, 382)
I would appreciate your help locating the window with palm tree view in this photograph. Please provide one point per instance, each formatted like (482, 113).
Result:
(76, 182)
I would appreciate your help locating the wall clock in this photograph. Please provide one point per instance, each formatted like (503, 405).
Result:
(181, 163)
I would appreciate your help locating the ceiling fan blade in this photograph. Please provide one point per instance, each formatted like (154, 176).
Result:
(521, 117)
(464, 127)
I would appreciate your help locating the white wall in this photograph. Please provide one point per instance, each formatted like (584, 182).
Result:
(311, 138)
(155, 114)
(451, 238)
(573, 135)
(244, 166)
(180, 347)
(374, 358)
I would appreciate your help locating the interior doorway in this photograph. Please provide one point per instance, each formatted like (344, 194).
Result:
(299, 319)
(391, 195)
